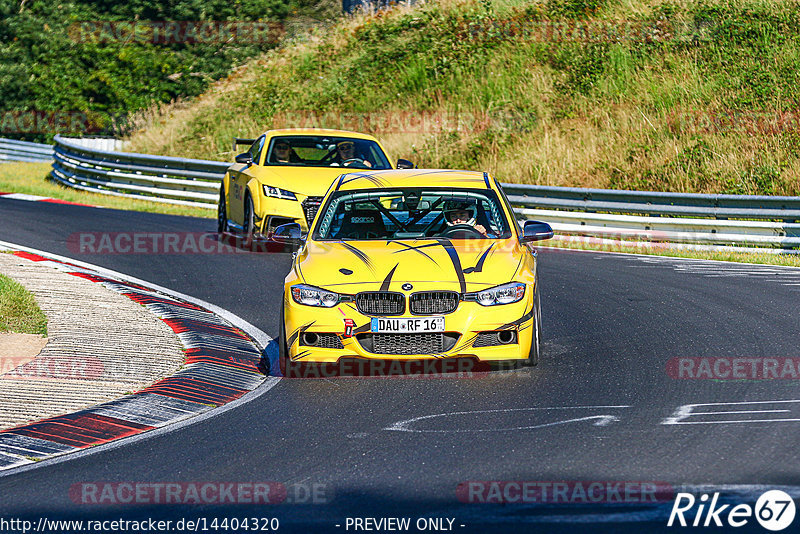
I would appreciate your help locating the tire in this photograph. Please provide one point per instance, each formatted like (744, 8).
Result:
(222, 212)
(283, 351)
(249, 221)
(535, 350)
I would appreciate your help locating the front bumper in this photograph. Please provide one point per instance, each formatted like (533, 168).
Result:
(469, 333)
(273, 212)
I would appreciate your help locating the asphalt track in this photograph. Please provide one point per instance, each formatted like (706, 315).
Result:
(593, 410)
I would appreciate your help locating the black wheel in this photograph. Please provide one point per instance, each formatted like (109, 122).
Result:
(249, 221)
(222, 212)
(283, 351)
(533, 355)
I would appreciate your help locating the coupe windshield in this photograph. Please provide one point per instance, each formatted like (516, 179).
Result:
(412, 214)
(326, 151)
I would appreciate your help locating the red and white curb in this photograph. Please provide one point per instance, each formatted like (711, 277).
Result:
(225, 360)
(37, 198)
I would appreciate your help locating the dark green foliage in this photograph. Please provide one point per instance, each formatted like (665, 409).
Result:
(44, 67)
(575, 9)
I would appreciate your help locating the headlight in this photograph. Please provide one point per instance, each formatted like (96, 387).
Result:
(314, 296)
(277, 192)
(505, 294)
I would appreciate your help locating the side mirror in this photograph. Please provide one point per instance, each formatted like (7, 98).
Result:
(404, 164)
(536, 231)
(244, 157)
(291, 234)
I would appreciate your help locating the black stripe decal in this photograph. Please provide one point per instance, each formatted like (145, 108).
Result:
(301, 355)
(296, 333)
(374, 180)
(479, 266)
(363, 328)
(466, 343)
(519, 321)
(451, 251)
(388, 279)
(416, 249)
(361, 256)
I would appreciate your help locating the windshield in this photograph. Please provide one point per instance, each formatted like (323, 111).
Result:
(326, 151)
(412, 214)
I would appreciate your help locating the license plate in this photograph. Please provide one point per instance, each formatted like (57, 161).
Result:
(407, 325)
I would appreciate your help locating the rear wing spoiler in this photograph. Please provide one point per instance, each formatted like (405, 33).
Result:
(242, 141)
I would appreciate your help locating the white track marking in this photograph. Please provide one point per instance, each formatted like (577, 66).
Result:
(23, 196)
(601, 420)
(784, 275)
(682, 413)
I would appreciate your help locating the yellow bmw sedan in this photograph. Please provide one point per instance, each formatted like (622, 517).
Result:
(285, 173)
(415, 264)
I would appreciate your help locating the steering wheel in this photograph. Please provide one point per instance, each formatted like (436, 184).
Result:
(452, 231)
(360, 162)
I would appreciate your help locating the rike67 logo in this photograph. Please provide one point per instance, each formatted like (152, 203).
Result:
(774, 510)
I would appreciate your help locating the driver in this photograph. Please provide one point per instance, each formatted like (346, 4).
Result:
(461, 212)
(346, 155)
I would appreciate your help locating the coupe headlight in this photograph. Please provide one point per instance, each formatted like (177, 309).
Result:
(314, 296)
(277, 192)
(504, 294)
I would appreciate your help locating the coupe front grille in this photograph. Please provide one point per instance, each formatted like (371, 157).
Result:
(310, 207)
(433, 302)
(381, 303)
(408, 344)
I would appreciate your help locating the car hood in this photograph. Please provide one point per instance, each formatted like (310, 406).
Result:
(460, 265)
(308, 181)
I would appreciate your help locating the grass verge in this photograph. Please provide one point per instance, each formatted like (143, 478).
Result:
(664, 95)
(31, 179)
(19, 312)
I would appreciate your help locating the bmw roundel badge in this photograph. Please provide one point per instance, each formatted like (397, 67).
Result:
(407, 287)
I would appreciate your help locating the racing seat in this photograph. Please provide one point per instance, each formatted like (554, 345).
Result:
(362, 224)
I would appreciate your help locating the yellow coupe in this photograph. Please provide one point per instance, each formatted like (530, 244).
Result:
(285, 173)
(418, 264)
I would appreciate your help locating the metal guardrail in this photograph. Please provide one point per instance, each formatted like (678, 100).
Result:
(693, 219)
(13, 150)
(189, 182)
(655, 203)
